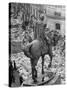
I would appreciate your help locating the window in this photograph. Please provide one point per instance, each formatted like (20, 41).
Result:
(58, 26)
(57, 13)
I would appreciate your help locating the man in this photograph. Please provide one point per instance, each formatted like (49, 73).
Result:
(40, 25)
(33, 21)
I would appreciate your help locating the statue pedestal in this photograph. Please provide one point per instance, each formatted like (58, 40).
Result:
(49, 76)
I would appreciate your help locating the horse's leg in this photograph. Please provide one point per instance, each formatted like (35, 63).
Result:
(34, 74)
(42, 67)
(50, 54)
(34, 71)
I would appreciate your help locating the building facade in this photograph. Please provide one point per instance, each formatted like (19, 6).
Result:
(56, 18)
(55, 15)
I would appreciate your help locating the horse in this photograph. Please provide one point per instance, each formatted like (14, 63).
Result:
(36, 49)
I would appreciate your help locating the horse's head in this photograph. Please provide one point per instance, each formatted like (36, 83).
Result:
(53, 37)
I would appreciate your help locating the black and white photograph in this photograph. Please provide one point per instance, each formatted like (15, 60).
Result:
(36, 44)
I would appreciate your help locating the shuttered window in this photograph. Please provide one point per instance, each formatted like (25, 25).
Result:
(58, 26)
